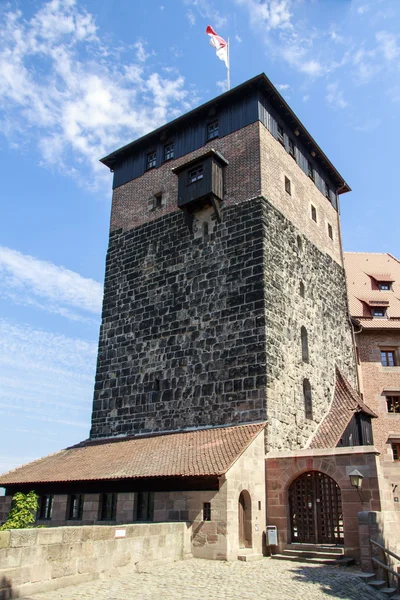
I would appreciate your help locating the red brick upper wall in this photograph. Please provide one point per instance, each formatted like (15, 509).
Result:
(132, 202)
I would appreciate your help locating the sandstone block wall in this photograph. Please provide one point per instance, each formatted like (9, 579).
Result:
(182, 341)
(283, 468)
(290, 259)
(35, 560)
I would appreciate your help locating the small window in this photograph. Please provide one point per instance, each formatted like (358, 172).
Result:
(307, 399)
(169, 151)
(145, 506)
(205, 229)
(280, 134)
(304, 344)
(299, 243)
(330, 231)
(75, 507)
(378, 311)
(288, 186)
(385, 286)
(108, 507)
(46, 506)
(301, 289)
(396, 451)
(388, 358)
(313, 213)
(291, 149)
(157, 201)
(212, 130)
(310, 170)
(151, 160)
(207, 511)
(393, 404)
(196, 174)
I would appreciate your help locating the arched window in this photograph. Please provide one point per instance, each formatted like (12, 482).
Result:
(304, 344)
(307, 399)
(301, 289)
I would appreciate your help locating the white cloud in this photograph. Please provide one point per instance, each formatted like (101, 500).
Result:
(238, 38)
(41, 284)
(60, 84)
(268, 14)
(306, 98)
(207, 11)
(282, 86)
(191, 18)
(45, 377)
(387, 44)
(222, 85)
(335, 96)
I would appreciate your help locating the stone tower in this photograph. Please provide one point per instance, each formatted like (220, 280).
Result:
(225, 298)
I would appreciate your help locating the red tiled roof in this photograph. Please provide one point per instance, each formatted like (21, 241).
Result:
(204, 452)
(363, 271)
(345, 403)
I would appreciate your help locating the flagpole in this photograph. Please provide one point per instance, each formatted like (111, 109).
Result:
(228, 68)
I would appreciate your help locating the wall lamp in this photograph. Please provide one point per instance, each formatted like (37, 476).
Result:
(356, 479)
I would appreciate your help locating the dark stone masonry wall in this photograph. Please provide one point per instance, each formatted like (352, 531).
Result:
(182, 342)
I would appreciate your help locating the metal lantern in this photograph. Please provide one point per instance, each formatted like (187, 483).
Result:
(356, 479)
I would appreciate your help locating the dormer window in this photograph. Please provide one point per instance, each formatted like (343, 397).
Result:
(212, 130)
(378, 311)
(151, 160)
(280, 134)
(196, 174)
(385, 286)
(169, 151)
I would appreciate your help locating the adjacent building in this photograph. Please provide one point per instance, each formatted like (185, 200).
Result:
(226, 388)
(373, 281)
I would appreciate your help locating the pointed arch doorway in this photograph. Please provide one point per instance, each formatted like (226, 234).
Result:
(315, 509)
(245, 540)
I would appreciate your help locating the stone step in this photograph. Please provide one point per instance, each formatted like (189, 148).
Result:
(388, 591)
(316, 561)
(316, 548)
(310, 553)
(366, 576)
(250, 557)
(377, 583)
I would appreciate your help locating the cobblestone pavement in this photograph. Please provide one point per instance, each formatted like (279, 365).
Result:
(210, 580)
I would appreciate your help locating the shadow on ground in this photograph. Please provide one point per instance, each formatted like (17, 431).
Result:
(331, 580)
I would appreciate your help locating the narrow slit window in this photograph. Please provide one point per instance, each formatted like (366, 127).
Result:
(302, 289)
(108, 507)
(313, 213)
(304, 344)
(75, 507)
(157, 203)
(207, 511)
(308, 410)
(288, 186)
(330, 231)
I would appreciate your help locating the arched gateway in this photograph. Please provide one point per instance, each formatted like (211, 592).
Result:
(245, 538)
(315, 509)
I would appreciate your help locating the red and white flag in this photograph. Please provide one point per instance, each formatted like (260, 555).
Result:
(219, 44)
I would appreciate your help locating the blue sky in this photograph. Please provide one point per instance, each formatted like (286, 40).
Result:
(80, 79)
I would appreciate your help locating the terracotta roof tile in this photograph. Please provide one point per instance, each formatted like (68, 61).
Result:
(363, 271)
(345, 403)
(199, 453)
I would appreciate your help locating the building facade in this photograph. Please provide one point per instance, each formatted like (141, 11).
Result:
(374, 298)
(225, 315)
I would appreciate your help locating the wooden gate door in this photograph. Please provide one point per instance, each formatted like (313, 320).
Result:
(315, 509)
